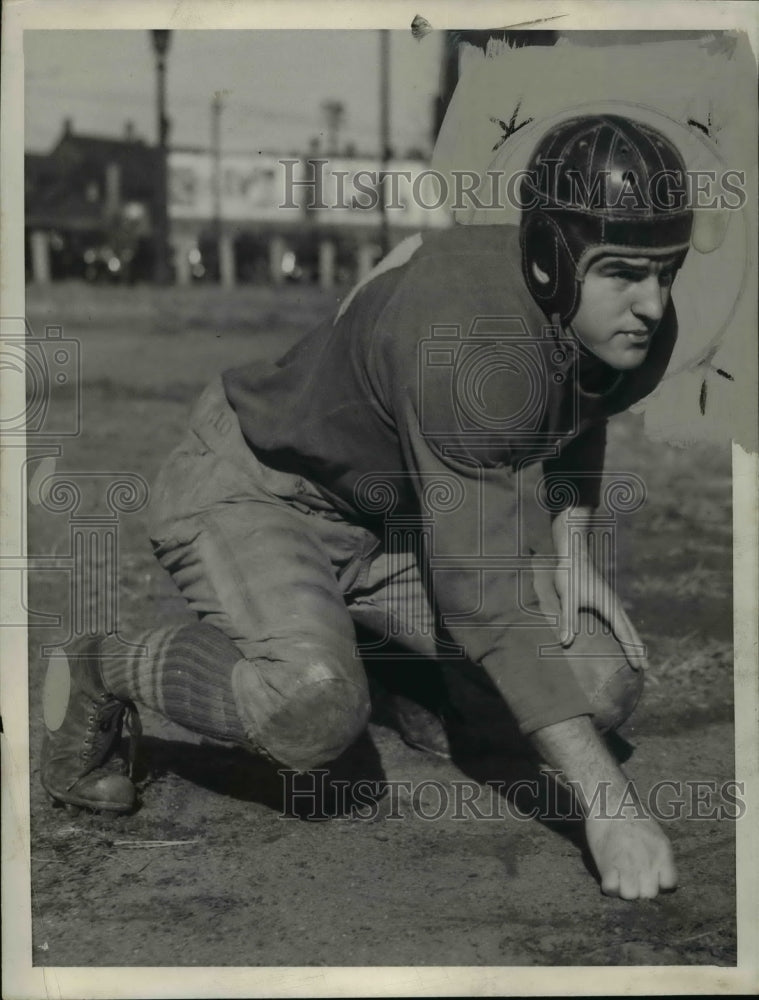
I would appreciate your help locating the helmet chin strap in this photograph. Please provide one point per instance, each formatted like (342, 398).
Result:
(592, 370)
(584, 350)
(557, 324)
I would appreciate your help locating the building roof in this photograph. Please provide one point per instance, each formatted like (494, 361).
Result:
(66, 187)
(86, 157)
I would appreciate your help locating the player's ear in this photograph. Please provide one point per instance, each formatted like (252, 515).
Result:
(539, 274)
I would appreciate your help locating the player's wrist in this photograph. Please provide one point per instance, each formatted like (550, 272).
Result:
(612, 798)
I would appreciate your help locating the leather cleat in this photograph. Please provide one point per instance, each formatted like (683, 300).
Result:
(83, 723)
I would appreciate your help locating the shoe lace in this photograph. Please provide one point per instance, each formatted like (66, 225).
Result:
(134, 728)
(104, 730)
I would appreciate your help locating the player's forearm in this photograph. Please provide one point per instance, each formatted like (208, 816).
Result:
(574, 748)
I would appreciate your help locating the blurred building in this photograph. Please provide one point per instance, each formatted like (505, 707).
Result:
(234, 217)
(89, 203)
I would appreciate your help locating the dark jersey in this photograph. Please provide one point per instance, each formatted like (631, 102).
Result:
(438, 379)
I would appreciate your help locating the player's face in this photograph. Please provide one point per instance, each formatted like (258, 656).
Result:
(621, 304)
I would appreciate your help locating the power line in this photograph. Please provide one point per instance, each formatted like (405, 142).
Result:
(113, 96)
(235, 108)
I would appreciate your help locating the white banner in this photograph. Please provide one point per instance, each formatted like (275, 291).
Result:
(329, 190)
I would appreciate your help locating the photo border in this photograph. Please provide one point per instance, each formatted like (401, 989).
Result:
(23, 980)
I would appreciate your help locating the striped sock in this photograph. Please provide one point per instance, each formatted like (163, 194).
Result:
(184, 673)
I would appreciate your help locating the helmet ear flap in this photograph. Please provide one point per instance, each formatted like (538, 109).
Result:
(540, 249)
(544, 249)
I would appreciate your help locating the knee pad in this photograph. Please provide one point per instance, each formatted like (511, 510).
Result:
(598, 662)
(613, 688)
(301, 714)
(611, 685)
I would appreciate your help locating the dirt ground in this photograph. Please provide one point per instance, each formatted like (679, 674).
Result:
(208, 871)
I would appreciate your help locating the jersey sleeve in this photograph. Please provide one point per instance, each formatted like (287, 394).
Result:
(573, 477)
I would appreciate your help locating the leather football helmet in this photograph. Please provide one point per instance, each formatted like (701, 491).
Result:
(597, 185)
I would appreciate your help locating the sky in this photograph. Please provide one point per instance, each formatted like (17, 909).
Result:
(273, 85)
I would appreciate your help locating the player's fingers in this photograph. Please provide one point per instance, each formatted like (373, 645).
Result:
(629, 884)
(627, 635)
(668, 873)
(573, 601)
(570, 624)
(635, 638)
(610, 882)
(565, 619)
(649, 884)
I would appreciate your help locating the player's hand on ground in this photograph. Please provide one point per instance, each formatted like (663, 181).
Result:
(633, 856)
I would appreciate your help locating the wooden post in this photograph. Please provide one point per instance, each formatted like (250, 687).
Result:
(40, 252)
(276, 253)
(326, 264)
(227, 274)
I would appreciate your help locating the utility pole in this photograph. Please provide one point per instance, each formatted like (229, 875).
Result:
(161, 274)
(334, 113)
(384, 135)
(216, 109)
